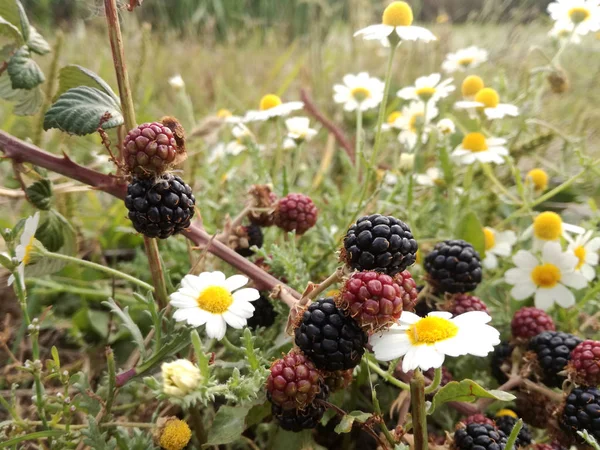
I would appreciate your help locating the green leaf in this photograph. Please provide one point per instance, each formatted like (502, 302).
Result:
(469, 228)
(9, 11)
(27, 102)
(31, 437)
(257, 414)
(10, 32)
(345, 425)
(73, 76)
(6, 262)
(23, 71)
(228, 426)
(95, 438)
(466, 391)
(128, 322)
(40, 194)
(37, 43)
(80, 110)
(587, 437)
(23, 21)
(49, 231)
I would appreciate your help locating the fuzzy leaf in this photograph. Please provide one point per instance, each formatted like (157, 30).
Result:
(128, 322)
(469, 228)
(27, 102)
(23, 71)
(80, 110)
(95, 438)
(345, 425)
(23, 21)
(73, 76)
(466, 391)
(228, 426)
(37, 43)
(9, 32)
(40, 194)
(6, 262)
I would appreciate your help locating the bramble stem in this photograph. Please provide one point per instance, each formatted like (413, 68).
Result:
(419, 414)
(437, 379)
(387, 376)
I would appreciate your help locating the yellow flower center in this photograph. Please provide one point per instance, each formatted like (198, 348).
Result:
(475, 142)
(490, 238)
(430, 330)
(579, 14)
(28, 250)
(539, 178)
(398, 14)
(414, 121)
(488, 96)
(224, 113)
(360, 93)
(471, 85)
(426, 92)
(507, 412)
(175, 435)
(215, 299)
(580, 253)
(465, 62)
(547, 226)
(391, 119)
(269, 101)
(546, 276)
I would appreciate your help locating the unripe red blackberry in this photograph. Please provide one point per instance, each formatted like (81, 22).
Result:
(150, 149)
(296, 212)
(478, 418)
(584, 366)
(375, 300)
(294, 381)
(453, 266)
(529, 322)
(462, 303)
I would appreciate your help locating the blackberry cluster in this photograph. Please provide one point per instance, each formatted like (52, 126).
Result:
(454, 266)
(150, 149)
(297, 420)
(582, 412)
(462, 303)
(584, 366)
(264, 313)
(553, 350)
(479, 436)
(501, 361)
(247, 237)
(529, 322)
(329, 337)
(506, 423)
(381, 243)
(160, 208)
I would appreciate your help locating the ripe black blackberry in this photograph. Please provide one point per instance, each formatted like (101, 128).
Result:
(246, 237)
(297, 420)
(264, 313)
(479, 436)
(381, 243)
(506, 422)
(329, 337)
(159, 208)
(553, 351)
(501, 362)
(581, 411)
(453, 266)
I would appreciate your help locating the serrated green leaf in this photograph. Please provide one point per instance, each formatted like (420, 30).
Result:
(73, 76)
(128, 322)
(9, 11)
(469, 228)
(27, 102)
(23, 71)
(345, 425)
(95, 438)
(9, 33)
(80, 110)
(23, 21)
(40, 194)
(228, 426)
(466, 391)
(37, 43)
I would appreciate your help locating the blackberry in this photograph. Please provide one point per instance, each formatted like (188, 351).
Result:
(150, 149)
(553, 350)
(584, 366)
(501, 362)
(381, 243)
(296, 212)
(340, 379)
(294, 381)
(245, 237)
(160, 208)
(581, 411)
(529, 322)
(264, 313)
(301, 419)
(505, 421)
(330, 338)
(478, 418)
(462, 303)
(479, 436)
(534, 408)
(453, 266)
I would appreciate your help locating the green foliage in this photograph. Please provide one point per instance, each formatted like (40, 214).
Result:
(228, 425)
(73, 76)
(128, 322)
(40, 194)
(27, 101)
(95, 438)
(465, 391)
(345, 425)
(470, 229)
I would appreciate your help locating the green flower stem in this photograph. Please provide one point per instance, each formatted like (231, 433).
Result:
(201, 356)
(377, 409)
(92, 265)
(514, 434)
(358, 143)
(419, 414)
(278, 150)
(112, 374)
(388, 376)
(437, 379)
(48, 286)
(229, 346)
(487, 170)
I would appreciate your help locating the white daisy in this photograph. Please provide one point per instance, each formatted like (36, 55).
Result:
(392, 121)
(396, 26)
(359, 91)
(564, 30)
(299, 129)
(428, 89)
(548, 280)
(446, 127)
(549, 227)
(585, 248)
(212, 300)
(488, 100)
(176, 82)
(464, 59)
(432, 177)
(25, 247)
(270, 107)
(424, 342)
(476, 147)
(228, 117)
(497, 243)
(584, 15)
(242, 135)
(412, 119)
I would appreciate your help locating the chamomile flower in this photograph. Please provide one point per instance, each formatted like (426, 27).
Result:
(488, 100)
(242, 136)
(470, 86)
(464, 59)
(475, 147)
(424, 342)
(445, 127)
(412, 120)
(215, 301)
(429, 88)
(299, 129)
(585, 248)
(538, 178)
(547, 280)
(396, 26)
(549, 227)
(26, 245)
(497, 243)
(392, 121)
(227, 116)
(180, 377)
(432, 177)
(270, 107)
(584, 15)
(176, 82)
(359, 91)
(564, 30)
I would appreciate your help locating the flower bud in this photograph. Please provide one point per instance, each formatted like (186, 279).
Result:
(180, 377)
